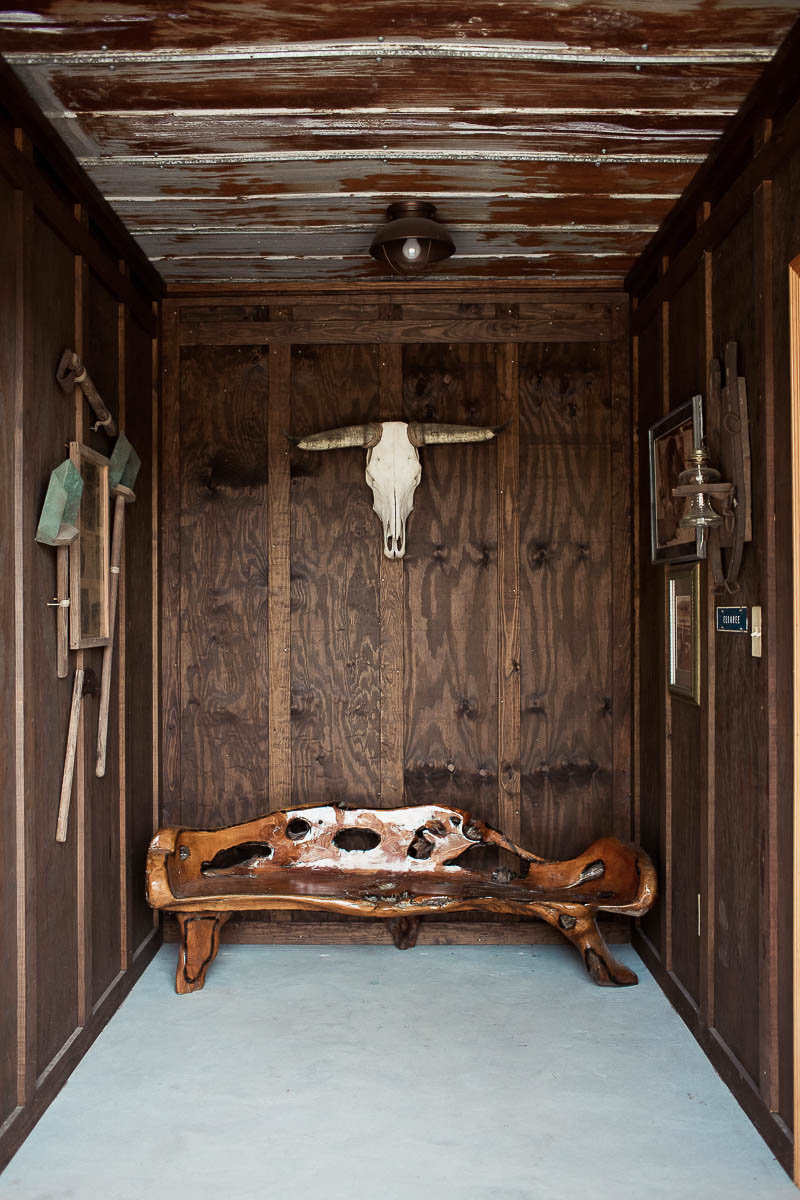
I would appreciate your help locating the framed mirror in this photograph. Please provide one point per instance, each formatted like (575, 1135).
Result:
(683, 653)
(89, 554)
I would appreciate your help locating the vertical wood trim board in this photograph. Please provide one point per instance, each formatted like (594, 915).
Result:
(708, 741)
(171, 567)
(279, 620)
(794, 322)
(156, 612)
(769, 1062)
(78, 813)
(622, 524)
(636, 434)
(508, 600)
(392, 616)
(666, 835)
(26, 912)
(124, 949)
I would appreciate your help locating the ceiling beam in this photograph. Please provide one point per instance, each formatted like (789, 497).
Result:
(129, 26)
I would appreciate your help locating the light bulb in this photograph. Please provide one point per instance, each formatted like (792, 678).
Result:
(411, 249)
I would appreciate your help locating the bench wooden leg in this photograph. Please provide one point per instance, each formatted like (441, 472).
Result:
(582, 931)
(198, 948)
(404, 931)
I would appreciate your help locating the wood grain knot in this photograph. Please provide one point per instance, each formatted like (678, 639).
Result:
(226, 472)
(539, 555)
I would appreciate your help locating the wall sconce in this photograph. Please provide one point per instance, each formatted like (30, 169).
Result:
(700, 485)
(413, 240)
(720, 512)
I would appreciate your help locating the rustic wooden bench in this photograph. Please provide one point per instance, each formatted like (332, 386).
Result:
(396, 864)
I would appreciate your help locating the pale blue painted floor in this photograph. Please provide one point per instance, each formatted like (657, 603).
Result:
(362, 1073)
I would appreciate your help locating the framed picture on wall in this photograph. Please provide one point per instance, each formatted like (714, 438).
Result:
(684, 632)
(671, 441)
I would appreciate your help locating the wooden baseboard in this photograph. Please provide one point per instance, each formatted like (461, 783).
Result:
(770, 1125)
(364, 932)
(23, 1119)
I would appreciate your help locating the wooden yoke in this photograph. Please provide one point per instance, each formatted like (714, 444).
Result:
(395, 864)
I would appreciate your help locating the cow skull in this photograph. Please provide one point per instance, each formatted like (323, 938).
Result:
(393, 466)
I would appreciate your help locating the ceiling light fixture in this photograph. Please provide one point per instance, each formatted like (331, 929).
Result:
(413, 240)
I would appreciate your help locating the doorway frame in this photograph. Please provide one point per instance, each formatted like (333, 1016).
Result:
(794, 360)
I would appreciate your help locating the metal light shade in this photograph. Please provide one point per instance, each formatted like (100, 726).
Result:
(413, 240)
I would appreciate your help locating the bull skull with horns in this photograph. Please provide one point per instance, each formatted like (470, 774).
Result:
(393, 466)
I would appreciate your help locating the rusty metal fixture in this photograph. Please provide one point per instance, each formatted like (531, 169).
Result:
(413, 240)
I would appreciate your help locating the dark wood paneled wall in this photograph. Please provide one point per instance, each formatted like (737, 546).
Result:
(715, 799)
(75, 932)
(491, 667)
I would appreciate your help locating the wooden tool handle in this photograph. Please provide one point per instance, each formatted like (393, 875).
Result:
(108, 650)
(62, 612)
(69, 761)
(71, 372)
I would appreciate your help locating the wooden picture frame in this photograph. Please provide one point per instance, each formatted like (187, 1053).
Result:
(671, 440)
(683, 647)
(89, 555)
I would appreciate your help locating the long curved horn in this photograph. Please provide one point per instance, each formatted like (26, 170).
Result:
(426, 433)
(337, 439)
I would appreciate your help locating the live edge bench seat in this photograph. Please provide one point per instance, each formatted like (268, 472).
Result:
(398, 865)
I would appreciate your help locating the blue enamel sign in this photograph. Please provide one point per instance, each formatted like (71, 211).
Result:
(732, 620)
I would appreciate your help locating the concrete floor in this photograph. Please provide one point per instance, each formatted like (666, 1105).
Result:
(361, 1073)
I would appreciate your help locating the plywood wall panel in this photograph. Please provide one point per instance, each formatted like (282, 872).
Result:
(9, 271)
(651, 715)
(336, 550)
(139, 666)
(448, 618)
(565, 578)
(71, 896)
(48, 425)
(223, 619)
(741, 250)
(687, 377)
(741, 744)
(687, 821)
(451, 586)
(101, 353)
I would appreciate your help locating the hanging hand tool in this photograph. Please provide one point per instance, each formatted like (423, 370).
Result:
(123, 469)
(71, 371)
(58, 526)
(85, 685)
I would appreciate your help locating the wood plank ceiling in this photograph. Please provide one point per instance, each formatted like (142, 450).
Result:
(241, 143)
